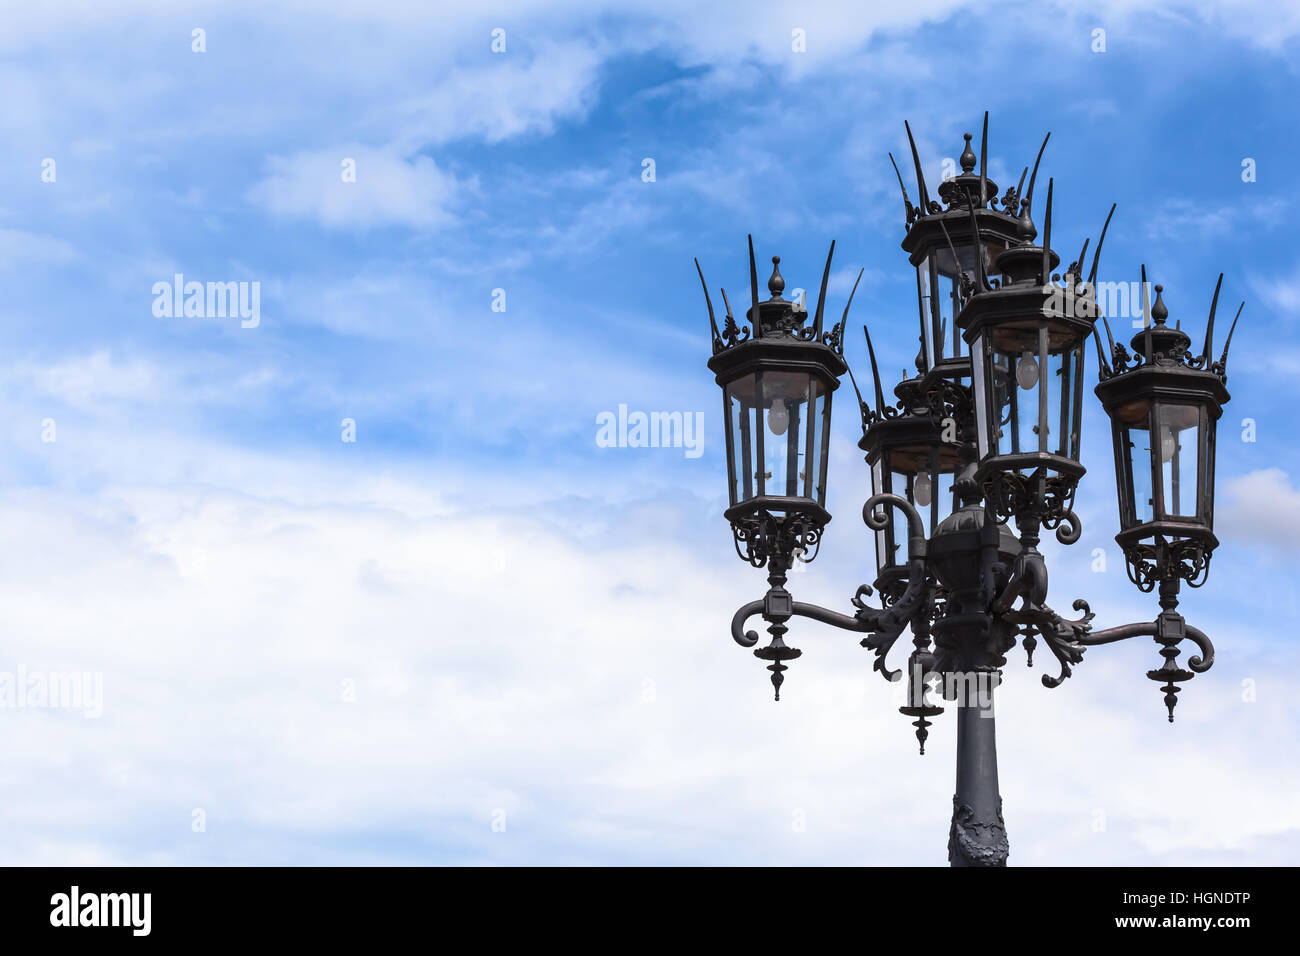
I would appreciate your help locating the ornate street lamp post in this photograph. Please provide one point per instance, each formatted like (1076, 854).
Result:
(986, 434)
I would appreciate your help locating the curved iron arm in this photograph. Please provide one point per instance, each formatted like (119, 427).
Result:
(1198, 663)
(878, 520)
(1069, 639)
(738, 633)
(866, 619)
(889, 621)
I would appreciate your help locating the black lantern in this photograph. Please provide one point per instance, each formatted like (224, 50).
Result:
(910, 447)
(944, 241)
(777, 378)
(1027, 337)
(1164, 407)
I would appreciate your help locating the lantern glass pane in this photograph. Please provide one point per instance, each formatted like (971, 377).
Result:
(785, 423)
(981, 397)
(948, 296)
(1178, 427)
(1016, 392)
(882, 537)
(741, 412)
(926, 282)
(823, 460)
(1137, 446)
(900, 484)
(1063, 372)
(1207, 484)
(813, 479)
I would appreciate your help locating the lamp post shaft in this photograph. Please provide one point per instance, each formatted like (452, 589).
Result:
(978, 836)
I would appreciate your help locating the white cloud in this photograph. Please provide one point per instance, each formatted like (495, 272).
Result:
(1281, 292)
(91, 380)
(1185, 219)
(20, 248)
(1260, 506)
(501, 663)
(389, 189)
(508, 96)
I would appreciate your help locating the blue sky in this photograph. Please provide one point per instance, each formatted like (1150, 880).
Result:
(362, 651)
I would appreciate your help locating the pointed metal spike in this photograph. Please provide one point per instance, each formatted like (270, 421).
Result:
(1146, 316)
(1078, 263)
(713, 323)
(839, 329)
(984, 158)
(1103, 365)
(1047, 237)
(1109, 337)
(981, 277)
(920, 176)
(1096, 256)
(907, 203)
(1020, 186)
(951, 247)
(1207, 353)
(1034, 176)
(821, 297)
(1146, 306)
(862, 406)
(857, 391)
(875, 372)
(728, 305)
(753, 290)
(1223, 359)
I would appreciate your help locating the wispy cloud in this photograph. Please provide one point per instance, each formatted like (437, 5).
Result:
(358, 187)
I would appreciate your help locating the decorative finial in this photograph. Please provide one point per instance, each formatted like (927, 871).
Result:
(776, 284)
(921, 724)
(1026, 226)
(777, 651)
(778, 678)
(1171, 699)
(967, 156)
(1158, 311)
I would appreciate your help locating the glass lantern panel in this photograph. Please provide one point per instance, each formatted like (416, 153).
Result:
(1063, 371)
(741, 424)
(1179, 430)
(901, 485)
(981, 418)
(1137, 449)
(813, 478)
(1015, 391)
(783, 411)
(926, 283)
(927, 492)
(882, 537)
(948, 296)
(1207, 485)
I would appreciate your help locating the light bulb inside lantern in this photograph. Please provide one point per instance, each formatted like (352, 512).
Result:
(1168, 445)
(1027, 371)
(778, 419)
(921, 489)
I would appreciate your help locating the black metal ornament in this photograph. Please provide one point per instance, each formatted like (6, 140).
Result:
(994, 410)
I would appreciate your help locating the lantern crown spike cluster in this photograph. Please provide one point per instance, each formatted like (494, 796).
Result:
(984, 436)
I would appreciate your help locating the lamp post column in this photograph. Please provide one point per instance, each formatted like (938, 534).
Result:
(978, 836)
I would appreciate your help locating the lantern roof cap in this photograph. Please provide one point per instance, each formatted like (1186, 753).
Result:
(1158, 347)
(1157, 338)
(777, 315)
